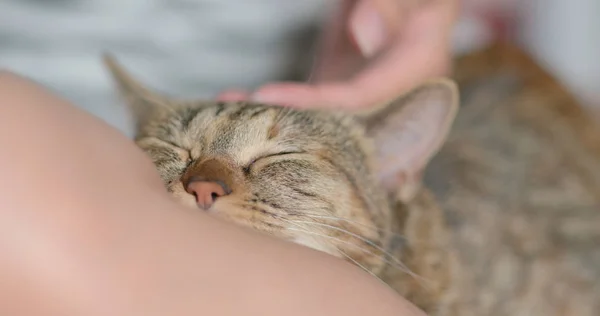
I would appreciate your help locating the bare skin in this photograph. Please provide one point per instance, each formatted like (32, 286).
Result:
(88, 229)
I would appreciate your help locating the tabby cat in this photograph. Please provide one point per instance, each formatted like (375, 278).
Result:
(508, 221)
(337, 182)
(519, 181)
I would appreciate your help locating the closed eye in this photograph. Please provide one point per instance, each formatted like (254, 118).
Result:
(283, 153)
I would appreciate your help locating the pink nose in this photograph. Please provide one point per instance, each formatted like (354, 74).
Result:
(206, 192)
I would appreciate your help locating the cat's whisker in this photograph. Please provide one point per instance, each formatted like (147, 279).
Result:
(423, 281)
(339, 250)
(342, 219)
(363, 239)
(350, 244)
(396, 262)
(372, 244)
(360, 265)
(374, 228)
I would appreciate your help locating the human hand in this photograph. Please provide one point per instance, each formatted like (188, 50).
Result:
(373, 51)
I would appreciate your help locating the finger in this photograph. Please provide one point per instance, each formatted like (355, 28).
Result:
(369, 28)
(393, 11)
(342, 52)
(370, 90)
(373, 24)
(422, 52)
(397, 71)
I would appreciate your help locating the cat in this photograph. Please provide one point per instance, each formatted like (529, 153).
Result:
(493, 209)
(347, 184)
(519, 182)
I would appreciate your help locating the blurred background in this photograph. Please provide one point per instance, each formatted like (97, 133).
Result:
(563, 35)
(196, 48)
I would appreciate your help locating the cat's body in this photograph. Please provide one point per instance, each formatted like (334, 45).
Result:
(519, 182)
(424, 246)
(348, 185)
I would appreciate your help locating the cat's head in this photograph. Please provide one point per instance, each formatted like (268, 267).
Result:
(323, 179)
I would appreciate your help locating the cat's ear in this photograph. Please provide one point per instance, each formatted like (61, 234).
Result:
(409, 131)
(141, 101)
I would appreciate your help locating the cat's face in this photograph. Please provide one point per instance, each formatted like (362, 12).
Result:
(283, 172)
(321, 179)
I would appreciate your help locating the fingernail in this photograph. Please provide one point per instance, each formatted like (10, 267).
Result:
(368, 28)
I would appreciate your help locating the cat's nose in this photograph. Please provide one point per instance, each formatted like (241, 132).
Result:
(207, 192)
